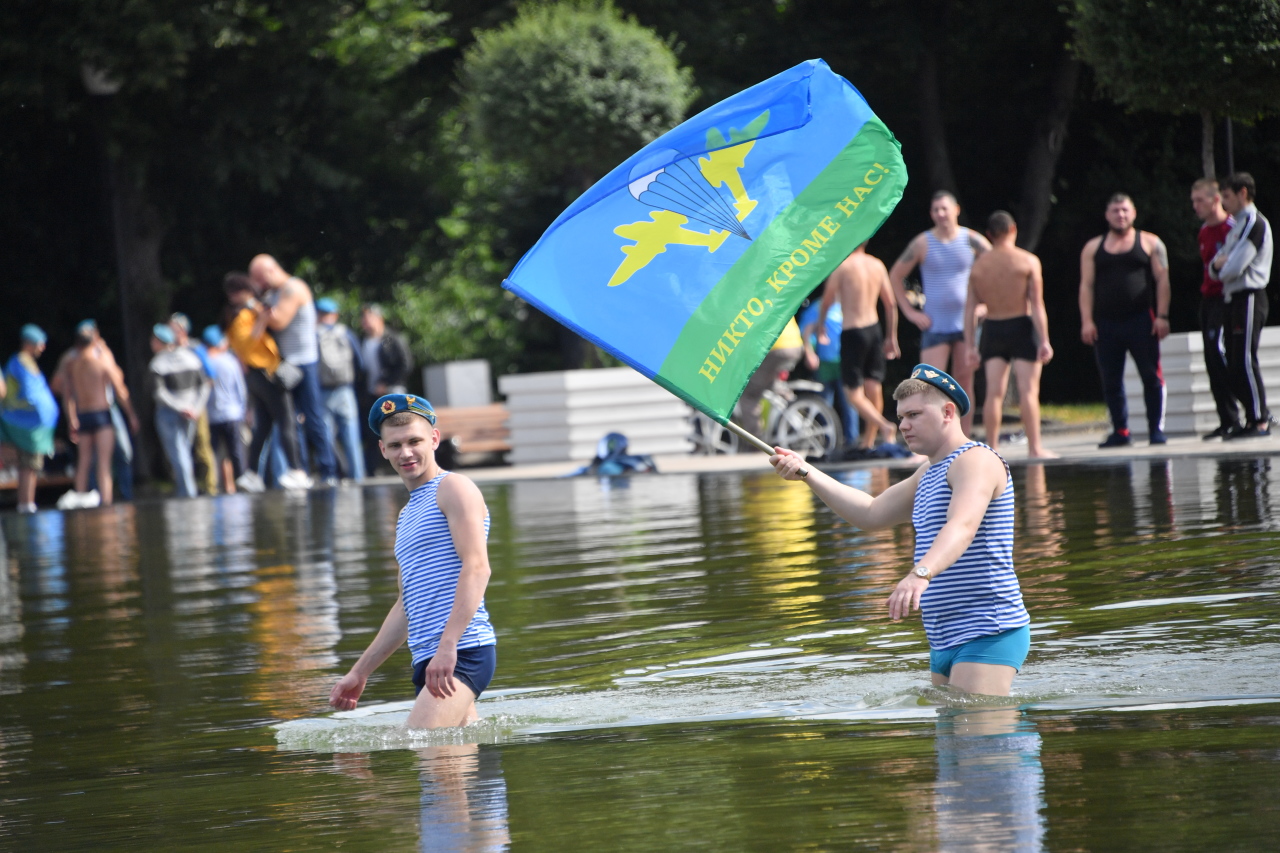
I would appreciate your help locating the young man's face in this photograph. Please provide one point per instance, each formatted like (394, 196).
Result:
(1234, 202)
(922, 419)
(944, 211)
(410, 448)
(1120, 216)
(1204, 203)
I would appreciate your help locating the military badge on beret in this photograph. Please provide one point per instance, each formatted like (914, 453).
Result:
(388, 405)
(944, 382)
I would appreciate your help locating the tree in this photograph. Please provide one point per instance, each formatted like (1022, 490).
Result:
(197, 107)
(1181, 57)
(551, 102)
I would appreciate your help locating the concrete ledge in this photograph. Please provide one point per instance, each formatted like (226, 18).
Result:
(1189, 407)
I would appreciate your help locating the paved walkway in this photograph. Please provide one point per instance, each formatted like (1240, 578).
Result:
(1072, 447)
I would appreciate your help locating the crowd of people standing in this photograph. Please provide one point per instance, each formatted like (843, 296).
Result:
(982, 306)
(268, 396)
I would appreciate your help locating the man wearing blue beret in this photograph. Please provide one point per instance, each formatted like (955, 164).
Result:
(961, 504)
(444, 568)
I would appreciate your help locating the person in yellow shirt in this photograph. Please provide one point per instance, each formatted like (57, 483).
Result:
(784, 356)
(267, 382)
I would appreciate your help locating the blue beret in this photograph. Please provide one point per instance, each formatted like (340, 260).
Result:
(388, 404)
(33, 334)
(326, 305)
(213, 336)
(945, 383)
(163, 333)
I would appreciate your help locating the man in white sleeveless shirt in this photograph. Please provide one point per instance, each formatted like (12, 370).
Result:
(944, 254)
(961, 505)
(444, 568)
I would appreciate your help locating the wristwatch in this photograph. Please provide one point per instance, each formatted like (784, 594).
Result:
(922, 571)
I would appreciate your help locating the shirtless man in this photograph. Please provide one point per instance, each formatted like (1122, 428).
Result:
(945, 254)
(858, 282)
(89, 373)
(1009, 282)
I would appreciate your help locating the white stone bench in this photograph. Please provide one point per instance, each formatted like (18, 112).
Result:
(1189, 407)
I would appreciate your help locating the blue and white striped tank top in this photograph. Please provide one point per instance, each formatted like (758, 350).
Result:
(297, 341)
(978, 595)
(429, 569)
(945, 276)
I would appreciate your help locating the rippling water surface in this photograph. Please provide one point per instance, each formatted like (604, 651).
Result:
(685, 662)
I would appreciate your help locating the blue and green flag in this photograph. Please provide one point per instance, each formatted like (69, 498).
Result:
(687, 260)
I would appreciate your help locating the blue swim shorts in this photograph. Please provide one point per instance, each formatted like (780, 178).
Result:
(474, 668)
(1008, 648)
(930, 338)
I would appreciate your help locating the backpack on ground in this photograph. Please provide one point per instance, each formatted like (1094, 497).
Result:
(337, 362)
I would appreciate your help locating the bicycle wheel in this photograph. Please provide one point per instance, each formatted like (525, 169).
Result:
(710, 438)
(809, 427)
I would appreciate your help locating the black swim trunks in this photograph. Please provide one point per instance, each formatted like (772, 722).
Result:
(1010, 339)
(861, 355)
(91, 422)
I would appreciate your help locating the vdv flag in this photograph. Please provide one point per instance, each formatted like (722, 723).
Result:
(687, 260)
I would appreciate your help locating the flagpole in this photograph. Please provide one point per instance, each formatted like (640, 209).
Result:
(755, 442)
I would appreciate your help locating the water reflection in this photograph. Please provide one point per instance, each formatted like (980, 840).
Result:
(464, 800)
(12, 658)
(990, 790)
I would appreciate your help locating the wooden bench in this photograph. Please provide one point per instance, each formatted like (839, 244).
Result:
(472, 432)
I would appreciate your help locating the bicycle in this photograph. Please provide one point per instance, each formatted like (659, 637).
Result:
(795, 415)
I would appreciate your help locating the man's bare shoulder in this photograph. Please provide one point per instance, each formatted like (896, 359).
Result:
(1091, 246)
(978, 461)
(457, 491)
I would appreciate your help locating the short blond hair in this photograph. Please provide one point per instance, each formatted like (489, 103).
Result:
(911, 387)
(401, 419)
(1209, 185)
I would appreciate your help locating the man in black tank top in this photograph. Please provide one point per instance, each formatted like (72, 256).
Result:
(1124, 307)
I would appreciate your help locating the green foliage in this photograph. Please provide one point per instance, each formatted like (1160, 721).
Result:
(569, 90)
(1183, 56)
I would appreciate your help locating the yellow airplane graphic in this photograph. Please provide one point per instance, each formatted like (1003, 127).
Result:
(652, 236)
(664, 228)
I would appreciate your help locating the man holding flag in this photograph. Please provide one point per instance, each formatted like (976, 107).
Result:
(961, 504)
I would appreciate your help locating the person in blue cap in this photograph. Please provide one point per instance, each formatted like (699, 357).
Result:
(340, 364)
(961, 504)
(228, 404)
(181, 390)
(441, 547)
(28, 413)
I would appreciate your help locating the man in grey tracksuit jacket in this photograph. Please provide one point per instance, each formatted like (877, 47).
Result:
(1243, 265)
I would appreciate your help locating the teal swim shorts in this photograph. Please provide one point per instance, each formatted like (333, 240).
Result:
(1008, 648)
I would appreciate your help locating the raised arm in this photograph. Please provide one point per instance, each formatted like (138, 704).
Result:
(1039, 317)
(890, 507)
(463, 507)
(292, 297)
(1088, 331)
(1160, 271)
(910, 258)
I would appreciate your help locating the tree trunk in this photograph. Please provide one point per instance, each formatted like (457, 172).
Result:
(1207, 165)
(937, 160)
(144, 296)
(1046, 147)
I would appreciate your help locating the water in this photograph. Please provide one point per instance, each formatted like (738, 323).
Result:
(685, 662)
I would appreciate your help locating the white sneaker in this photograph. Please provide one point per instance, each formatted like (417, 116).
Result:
(69, 500)
(90, 499)
(250, 482)
(295, 479)
(26, 509)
